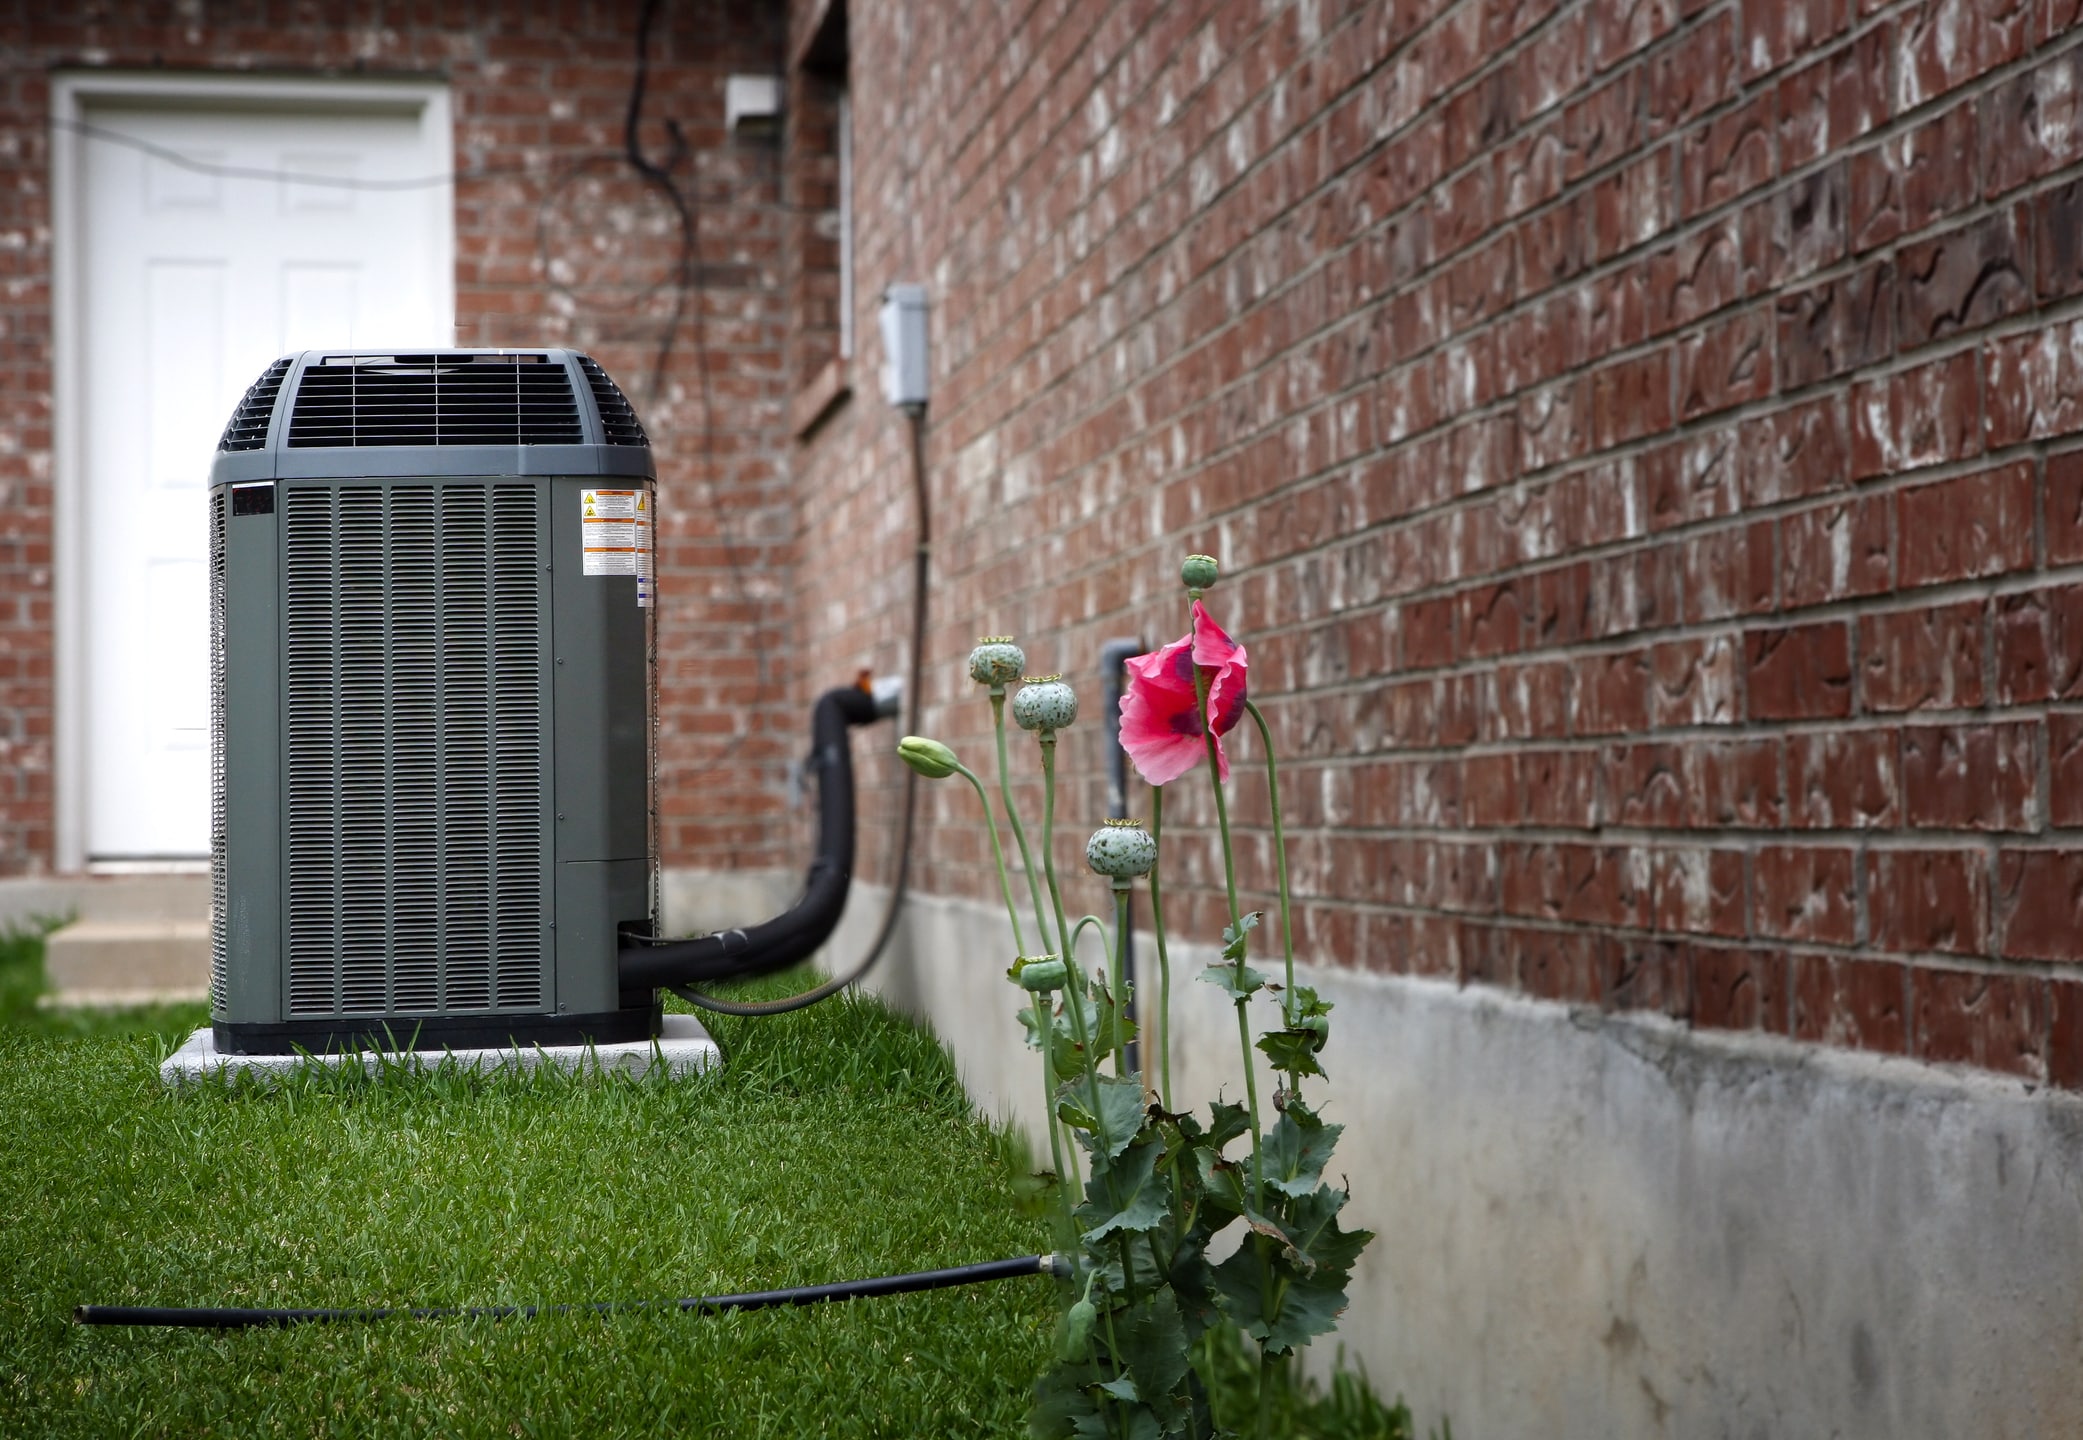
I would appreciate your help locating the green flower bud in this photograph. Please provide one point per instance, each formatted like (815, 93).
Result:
(1078, 1325)
(1121, 850)
(1044, 703)
(996, 660)
(1198, 573)
(929, 757)
(1040, 972)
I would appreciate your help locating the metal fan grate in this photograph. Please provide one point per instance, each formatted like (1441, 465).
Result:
(375, 401)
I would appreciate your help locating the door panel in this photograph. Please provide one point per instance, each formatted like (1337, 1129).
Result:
(193, 280)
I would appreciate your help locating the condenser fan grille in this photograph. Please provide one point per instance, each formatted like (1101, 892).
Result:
(248, 429)
(416, 704)
(435, 400)
(618, 422)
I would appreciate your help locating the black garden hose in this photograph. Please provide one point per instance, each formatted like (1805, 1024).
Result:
(225, 1318)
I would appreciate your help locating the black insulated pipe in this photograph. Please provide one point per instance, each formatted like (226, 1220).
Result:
(795, 934)
(205, 1318)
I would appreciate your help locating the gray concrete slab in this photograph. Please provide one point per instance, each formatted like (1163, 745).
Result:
(683, 1049)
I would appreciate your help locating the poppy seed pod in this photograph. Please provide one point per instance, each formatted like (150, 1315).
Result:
(996, 660)
(1121, 850)
(929, 757)
(1041, 972)
(1198, 573)
(1044, 703)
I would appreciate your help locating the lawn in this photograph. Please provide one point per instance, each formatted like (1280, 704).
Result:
(836, 1143)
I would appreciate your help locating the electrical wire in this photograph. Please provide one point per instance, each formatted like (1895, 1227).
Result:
(922, 563)
(231, 1318)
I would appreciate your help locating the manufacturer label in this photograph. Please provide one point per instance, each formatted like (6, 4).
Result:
(616, 525)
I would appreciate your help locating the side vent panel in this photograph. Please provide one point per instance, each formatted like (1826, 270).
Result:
(417, 706)
(365, 402)
(248, 429)
(220, 900)
(618, 422)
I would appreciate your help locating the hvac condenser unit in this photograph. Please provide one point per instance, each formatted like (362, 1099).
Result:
(428, 592)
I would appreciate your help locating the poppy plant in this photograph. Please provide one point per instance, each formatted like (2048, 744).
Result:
(1161, 715)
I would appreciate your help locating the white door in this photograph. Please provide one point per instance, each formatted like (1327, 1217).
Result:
(192, 278)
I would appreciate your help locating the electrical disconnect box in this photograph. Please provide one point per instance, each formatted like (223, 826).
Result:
(429, 581)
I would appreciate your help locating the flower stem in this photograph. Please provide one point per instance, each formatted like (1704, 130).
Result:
(1012, 815)
(1045, 1012)
(1118, 982)
(1074, 987)
(1229, 876)
(1005, 884)
(1287, 915)
(1164, 961)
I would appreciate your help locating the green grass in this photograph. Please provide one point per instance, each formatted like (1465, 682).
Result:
(837, 1143)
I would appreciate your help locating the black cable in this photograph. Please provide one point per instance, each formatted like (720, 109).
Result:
(922, 564)
(228, 1318)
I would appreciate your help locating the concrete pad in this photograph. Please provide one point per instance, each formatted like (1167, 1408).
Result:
(138, 957)
(684, 1048)
(121, 999)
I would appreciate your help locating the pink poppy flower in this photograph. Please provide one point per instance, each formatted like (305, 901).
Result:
(1160, 716)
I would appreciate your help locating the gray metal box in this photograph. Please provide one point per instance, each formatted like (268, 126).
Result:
(429, 581)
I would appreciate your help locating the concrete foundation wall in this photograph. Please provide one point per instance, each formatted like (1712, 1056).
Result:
(1599, 1225)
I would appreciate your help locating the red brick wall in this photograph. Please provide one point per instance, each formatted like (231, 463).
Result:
(539, 94)
(1642, 440)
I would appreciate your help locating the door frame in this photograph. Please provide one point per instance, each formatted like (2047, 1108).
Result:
(72, 94)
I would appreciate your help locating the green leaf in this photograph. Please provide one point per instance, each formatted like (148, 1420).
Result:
(1305, 1004)
(1227, 1123)
(1312, 1228)
(1062, 1403)
(1238, 987)
(1293, 1052)
(1223, 1184)
(1234, 936)
(1309, 1307)
(1121, 1387)
(1120, 1116)
(1152, 1337)
(1296, 1151)
(1124, 1196)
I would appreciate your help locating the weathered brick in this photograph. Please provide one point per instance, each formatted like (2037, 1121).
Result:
(1804, 892)
(1827, 105)
(1697, 890)
(2057, 241)
(1794, 452)
(2065, 769)
(1729, 156)
(1731, 572)
(1928, 659)
(2065, 1033)
(1923, 416)
(1928, 900)
(1737, 988)
(2039, 645)
(1837, 326)
(1695, 73)
(2032, 124)
(1858, 1004)
(1975, 525)
(1836, 551)
(1913, 178)
(1966, 279)
(1728, 363)
(1943, 44)
(1971, 777)
(1998, 1022)
(1844, 779)
(1798, 672)
(2032, 385)
(2039, 903)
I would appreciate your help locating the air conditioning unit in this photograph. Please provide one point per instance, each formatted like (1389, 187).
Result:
(429, 581)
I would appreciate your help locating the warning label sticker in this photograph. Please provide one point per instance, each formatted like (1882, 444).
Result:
(616, 525)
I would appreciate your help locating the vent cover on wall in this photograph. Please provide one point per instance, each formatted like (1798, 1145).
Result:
(449, 399)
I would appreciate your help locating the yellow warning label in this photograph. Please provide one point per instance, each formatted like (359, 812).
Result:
(616, 529)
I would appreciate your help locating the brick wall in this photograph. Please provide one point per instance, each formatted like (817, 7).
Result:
(1637, 436)
(539, 95)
